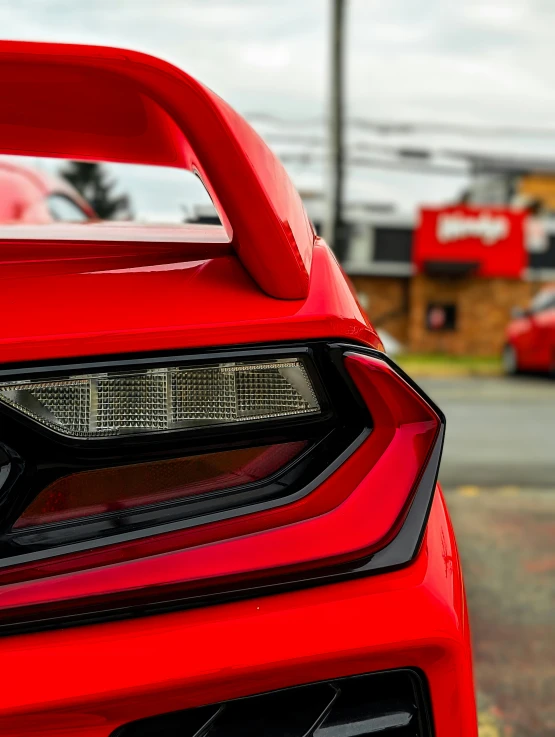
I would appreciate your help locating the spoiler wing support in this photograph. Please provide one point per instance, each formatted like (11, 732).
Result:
(104, 104)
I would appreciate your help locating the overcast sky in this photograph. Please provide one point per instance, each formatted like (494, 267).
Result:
(473, 61)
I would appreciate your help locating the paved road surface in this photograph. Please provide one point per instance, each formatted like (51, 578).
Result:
(506, 540)
(498, 470)
(500, 431)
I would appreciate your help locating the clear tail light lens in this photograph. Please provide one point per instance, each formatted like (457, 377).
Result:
(162, 399)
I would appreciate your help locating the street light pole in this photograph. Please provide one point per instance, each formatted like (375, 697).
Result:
(335, 226)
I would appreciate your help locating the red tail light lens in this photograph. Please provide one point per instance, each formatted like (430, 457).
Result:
(349, 519)
(107, 490)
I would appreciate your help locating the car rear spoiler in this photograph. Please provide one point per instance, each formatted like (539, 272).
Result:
(104, 104)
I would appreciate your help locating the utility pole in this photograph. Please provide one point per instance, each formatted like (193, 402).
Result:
(335, 226)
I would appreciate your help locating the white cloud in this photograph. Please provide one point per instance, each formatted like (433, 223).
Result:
(261, 56)
(494, 14)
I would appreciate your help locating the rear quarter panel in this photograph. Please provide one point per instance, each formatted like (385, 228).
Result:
(88, 680)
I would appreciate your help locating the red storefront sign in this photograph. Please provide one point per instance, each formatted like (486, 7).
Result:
(488, 242)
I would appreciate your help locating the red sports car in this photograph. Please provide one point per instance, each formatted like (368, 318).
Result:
(530, 342)
(35, 197)
(219, 501)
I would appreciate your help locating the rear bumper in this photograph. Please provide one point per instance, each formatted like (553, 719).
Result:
(91, 679)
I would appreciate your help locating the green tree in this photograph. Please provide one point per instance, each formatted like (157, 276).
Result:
(94, 184)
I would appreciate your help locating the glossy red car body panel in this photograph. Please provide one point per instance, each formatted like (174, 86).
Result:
(273, 283)
(532, 336)
(89, 680)
(93, 309)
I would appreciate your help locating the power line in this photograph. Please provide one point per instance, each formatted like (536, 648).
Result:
(408, 152)
(407, 156)
(466, 129)
(364, 162)
(390, 127)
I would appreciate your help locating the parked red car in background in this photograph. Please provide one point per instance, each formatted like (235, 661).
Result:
(531, 336)
(31, 196)
(218, 496)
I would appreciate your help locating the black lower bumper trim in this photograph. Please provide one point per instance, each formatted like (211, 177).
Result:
(390, 703)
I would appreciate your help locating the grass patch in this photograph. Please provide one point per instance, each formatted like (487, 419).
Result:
(437, 364)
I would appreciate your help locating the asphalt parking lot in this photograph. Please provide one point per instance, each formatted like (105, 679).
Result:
(506, 541)
(500, 431)
(498, 473)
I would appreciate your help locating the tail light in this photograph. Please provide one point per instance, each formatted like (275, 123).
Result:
(163, 399)
(85, 494)
(157, 482)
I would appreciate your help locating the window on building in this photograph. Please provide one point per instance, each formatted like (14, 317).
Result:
(441, 316)
(393, 244)
(544, 300)
(544, 259)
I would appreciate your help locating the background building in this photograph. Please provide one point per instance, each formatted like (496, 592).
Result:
(399, 300)
(403, 300)
(437, 306)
